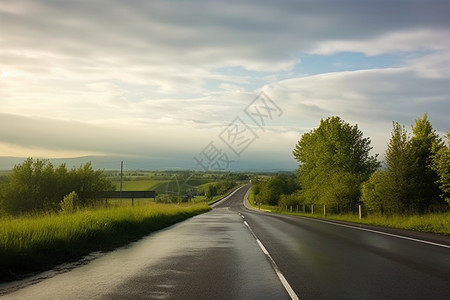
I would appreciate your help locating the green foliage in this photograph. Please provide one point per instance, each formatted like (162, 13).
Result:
(219, 188)
(410, 183)
(288, 200)
(426, 192)
(210, 191)
(168, 198)
(70, 203)
(41, 241)
(35, 185)
(374, 191)
(270, 191)
(441, 165)
(400, 160)
(334, 162)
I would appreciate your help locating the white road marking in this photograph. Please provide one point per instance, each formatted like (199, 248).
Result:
(280, 275)
(380, 232)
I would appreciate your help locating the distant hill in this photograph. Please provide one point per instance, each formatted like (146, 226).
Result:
(151, 163)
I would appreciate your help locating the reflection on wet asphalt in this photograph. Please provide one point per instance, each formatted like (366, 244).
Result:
(210, 256)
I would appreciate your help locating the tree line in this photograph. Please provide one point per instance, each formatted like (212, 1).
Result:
(337, 170)
(219, 188)
(36, 185)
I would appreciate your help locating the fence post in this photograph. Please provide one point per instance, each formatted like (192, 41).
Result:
(360, 211)
(312, 209)
(324, 209)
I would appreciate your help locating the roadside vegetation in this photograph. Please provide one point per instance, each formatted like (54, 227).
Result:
(38, 242)
(410, 189)
(438, 223)
(50, 215)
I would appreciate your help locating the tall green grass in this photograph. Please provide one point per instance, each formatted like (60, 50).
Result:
(434, 223)
(35, 243)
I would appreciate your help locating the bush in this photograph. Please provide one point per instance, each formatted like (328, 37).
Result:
(70, 203)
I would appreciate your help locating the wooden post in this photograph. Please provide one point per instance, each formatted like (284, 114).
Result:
(312, 209)
(121, 178)
(324, 209)
(360, 212)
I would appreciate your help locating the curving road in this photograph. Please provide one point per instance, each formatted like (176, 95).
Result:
(236, 253)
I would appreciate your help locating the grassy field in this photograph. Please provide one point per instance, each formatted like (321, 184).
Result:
(139, 185)
(36, 243)
(433, 223)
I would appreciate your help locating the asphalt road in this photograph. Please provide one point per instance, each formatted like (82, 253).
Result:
(235, 253)
(322, 260)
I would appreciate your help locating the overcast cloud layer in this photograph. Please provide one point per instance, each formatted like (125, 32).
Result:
(163, 79)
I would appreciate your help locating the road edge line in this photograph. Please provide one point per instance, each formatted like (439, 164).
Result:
(277, 270)
(357, 226)
(379, 232)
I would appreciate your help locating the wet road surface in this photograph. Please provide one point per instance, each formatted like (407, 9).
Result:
(210, 256)
(323, 260)
(217, 256)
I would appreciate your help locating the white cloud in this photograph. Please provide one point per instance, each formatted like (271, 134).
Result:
(85, 72)
(422, 39)
(370, 98)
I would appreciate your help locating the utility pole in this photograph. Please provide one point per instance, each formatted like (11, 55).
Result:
(121, 178)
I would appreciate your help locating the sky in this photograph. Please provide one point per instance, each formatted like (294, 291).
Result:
(214, 84)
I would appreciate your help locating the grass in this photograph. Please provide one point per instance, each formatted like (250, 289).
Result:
(36, 243)
(139, 185)
(438, 223)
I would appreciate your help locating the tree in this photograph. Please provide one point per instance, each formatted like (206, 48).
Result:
(441, 165)
(374, 191)
(35, 185)
(210, 191)
(87, 182)
(400, 161)
(426, 179)
(334, 161)
(271, 190)
(25, 190)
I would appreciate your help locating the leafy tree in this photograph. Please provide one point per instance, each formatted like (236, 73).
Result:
(293, 199)
(87, 182)
(25, 191)
(374, 191)
(334, 161)
(426, 192)
(441, 165)
(35, 185)
(210, 191)
(400, 161)
(271, 190)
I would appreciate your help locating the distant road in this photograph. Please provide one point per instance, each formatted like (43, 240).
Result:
(235, 253)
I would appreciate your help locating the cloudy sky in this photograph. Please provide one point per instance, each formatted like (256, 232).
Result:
(214, 83)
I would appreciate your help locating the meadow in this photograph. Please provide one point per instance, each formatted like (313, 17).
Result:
(36, 243)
